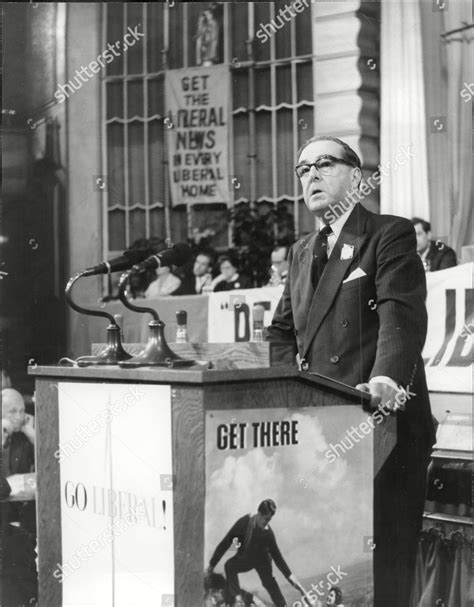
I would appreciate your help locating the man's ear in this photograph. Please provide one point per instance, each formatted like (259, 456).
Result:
(356, 177)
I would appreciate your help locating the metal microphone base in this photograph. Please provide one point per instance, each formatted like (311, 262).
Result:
(112, 354)
(157, 353)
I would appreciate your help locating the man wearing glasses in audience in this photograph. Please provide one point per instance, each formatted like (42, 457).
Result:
(354, 303)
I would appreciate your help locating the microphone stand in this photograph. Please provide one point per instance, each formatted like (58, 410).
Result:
(113, 351)
(156, 352)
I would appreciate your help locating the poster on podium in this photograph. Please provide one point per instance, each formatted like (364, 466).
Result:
(116, 495)
(288, 511)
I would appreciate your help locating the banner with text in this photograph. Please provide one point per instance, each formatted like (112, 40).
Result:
(115, 458)
(197, 102)
(448, 349)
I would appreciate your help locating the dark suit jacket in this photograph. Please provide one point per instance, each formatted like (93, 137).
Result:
(369, 326)
(242, 282)
(18, 455)
(262, 546)
(441, 256)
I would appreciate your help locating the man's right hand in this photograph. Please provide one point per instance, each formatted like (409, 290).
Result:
(7, 430)
(28, 428)
(295, 582)
(209, 570)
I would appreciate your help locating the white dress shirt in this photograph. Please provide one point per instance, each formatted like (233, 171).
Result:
(336, 227)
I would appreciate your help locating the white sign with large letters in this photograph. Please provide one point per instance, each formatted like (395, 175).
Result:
(448, 348)
(231, 312)
(116, 495)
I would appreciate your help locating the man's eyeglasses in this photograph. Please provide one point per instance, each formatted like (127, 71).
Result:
(325, 165)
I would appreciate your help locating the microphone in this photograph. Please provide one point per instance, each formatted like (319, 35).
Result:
(175, 256)
(118, 264)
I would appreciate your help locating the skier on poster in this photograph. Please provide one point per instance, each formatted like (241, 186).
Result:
(257, 548)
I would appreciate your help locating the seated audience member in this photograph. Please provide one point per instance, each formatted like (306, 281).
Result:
(140, 281)
(279, 270)
(166, 283)
(18, 457)
(19, 575)
(229, 277)
(202, 271)
(18, 434)
(434, 254)
(200, 278)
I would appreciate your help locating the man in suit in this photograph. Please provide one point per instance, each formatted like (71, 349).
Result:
(279, 269)
(354, 302)
(434, 254)
(201, 278)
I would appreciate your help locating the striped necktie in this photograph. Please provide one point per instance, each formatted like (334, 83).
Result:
(320, 254)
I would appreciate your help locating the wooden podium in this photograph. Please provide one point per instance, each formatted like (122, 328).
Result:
(199, 447)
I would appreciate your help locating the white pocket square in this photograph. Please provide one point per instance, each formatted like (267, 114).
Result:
(357, 273)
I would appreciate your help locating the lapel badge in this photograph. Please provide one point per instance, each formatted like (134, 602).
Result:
(347, 251)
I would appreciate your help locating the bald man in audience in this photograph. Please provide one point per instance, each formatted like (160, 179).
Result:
(20, 586)
(18, 434)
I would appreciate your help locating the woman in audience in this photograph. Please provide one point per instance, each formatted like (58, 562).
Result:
(230, 278)
(166, 283)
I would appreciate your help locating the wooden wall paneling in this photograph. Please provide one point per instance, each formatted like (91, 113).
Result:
(303, 391)
(247, 395)
(189, 492)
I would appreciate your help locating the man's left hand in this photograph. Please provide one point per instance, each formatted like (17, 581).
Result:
(383, 396)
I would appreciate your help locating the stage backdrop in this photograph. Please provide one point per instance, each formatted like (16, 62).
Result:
(197, 101)
(117, 529)
(318, 477)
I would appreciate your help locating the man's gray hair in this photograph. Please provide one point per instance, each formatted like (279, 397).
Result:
(349, 153)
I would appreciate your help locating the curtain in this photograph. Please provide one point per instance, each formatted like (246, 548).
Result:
(447, 72)
(404, 187)
(443, 566)
(459, 114)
